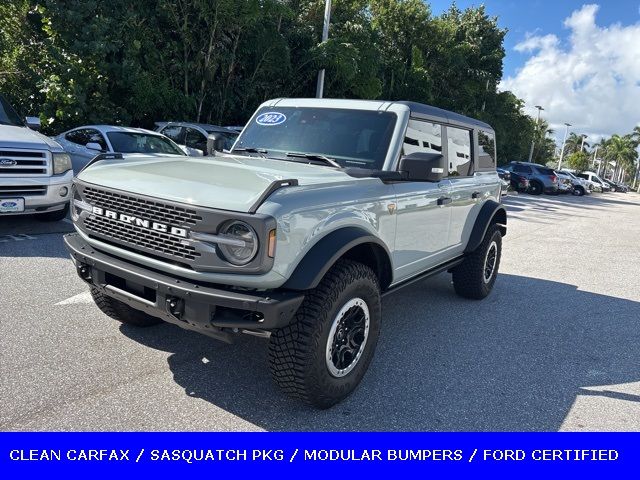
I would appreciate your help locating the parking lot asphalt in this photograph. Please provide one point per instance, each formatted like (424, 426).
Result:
(555, 347)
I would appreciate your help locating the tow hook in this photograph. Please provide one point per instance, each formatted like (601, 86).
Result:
(85, 272)
(175, 306)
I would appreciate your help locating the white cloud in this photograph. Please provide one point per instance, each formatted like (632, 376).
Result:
(592, 81)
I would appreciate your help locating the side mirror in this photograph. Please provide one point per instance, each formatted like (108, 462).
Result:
(215, 143)
(94, 146)
(422, 167)
(33, 123)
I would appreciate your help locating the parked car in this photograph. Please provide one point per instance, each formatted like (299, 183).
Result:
(599, 183)
(35, 172)
(235, 128)
(505, 179)
(581, 186)
(565, 183)
(84, 143)
(617, 187)
(321, 207)
(541, 179)
(194, 137)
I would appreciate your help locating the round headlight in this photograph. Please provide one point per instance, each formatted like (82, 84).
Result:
(238, 243)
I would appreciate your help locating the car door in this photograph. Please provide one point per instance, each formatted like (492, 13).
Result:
(466, 190)
(422, 209)
(75, 140)
(196, 142)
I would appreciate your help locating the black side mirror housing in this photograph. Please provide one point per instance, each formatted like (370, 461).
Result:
(422, 167)
(215, 143)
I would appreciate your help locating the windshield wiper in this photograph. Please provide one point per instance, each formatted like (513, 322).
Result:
(261, 151)
(314, 156)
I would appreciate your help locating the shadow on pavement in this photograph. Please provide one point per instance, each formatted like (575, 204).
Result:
(515, 361)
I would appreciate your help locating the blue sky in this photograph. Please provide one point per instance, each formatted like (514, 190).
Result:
(580, 60)
(524, 17)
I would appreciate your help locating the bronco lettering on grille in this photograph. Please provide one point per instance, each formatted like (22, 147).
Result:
(140, 222)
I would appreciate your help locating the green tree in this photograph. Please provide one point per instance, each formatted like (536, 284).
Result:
(579, 161)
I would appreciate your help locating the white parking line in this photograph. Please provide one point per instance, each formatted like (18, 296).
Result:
(84, 297)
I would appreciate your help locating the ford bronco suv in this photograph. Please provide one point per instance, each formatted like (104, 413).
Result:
(35, 173)
(320, 208)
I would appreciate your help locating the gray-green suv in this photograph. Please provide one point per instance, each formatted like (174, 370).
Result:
(321, 208)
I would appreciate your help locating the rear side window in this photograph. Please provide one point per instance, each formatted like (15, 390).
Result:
(487, 151)
(545, 171)
(423, 137)
(521, 169)
(459, 152)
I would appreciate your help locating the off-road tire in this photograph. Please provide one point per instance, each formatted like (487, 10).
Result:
(121, 311)
(469, 276)
(55, 216)
(298, 352)
(536, 188)
(579, 191)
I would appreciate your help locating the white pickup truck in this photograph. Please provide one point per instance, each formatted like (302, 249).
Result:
(35, 173)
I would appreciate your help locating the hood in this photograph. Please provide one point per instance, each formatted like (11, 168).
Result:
(23, 137)
(226, 182)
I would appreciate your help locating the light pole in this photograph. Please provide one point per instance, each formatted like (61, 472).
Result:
(325, 37)
(566, 132)
(582, 145)
(534, 136)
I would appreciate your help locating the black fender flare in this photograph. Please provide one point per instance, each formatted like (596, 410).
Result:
(326, 252)
(490, 213)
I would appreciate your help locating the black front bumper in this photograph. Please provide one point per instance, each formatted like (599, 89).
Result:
(212, 311)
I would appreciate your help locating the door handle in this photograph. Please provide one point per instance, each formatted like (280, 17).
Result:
(444, 201)
(475, 195)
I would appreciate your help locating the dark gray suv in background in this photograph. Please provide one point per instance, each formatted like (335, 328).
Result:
(541, 179)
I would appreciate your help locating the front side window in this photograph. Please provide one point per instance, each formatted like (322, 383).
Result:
(353, 138)
(422, 137)
(77, 136)
(459, 152)
(196, 140)
(487, 153)
(175, 133)
(129, 142)
(94, 136)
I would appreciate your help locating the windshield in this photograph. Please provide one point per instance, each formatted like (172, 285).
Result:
(8, 115)
(353, 138)
(129, 142)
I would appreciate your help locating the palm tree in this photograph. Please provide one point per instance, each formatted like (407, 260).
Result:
(622, 151)
(574, 143)
(544, 145)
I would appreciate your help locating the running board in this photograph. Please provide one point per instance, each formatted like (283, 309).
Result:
(429, 273)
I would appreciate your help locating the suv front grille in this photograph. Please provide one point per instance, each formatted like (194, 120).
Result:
(159, 242)
(136, 237)
(23, 162)
(148, 209)
(23, 190)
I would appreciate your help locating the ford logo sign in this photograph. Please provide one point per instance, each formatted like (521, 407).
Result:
(7, 162)
(8, 204)
(269, 119)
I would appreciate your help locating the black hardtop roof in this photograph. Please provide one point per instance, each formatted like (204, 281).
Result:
(451, 117)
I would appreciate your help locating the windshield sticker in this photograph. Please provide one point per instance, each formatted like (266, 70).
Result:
(269, 119)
